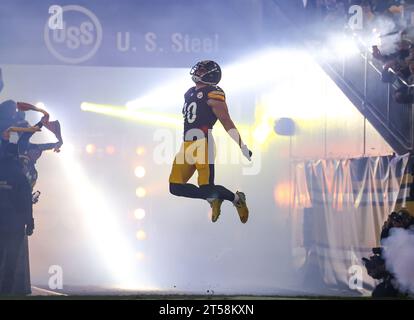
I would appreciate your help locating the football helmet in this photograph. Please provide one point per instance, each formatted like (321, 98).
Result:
(207, 72)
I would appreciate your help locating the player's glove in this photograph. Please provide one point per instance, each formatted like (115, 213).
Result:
(246, 152)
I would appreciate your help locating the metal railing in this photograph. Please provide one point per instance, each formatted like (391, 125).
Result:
(360, 79)
(399, 78)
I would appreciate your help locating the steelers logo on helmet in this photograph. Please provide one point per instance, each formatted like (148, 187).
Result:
(207, 72)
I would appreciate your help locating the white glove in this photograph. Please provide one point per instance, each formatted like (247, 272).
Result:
(246, 152)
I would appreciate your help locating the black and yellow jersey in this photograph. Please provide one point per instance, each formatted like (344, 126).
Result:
(199, 117)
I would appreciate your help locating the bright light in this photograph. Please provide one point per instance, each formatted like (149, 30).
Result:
(165, 95)
(158, 119)
(140, 151)
(263, 127)
(261, 133)
(99, 219)
(261, 67)
(265, 67)
(140, 256)
(289, 84)
(282, 194)
(45, 135)
(69, 148)
(139, 214)
(110, 150)
(141, 235)
(345, 46)
(140, 172)
(161, 119)
(41, 105)
(263, 130)
(141, 192)
(90, 149)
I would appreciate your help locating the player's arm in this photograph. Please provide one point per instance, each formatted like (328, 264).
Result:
(6, 133)
(222, 113)
(18, 129)
(49, 146)
(23, 106)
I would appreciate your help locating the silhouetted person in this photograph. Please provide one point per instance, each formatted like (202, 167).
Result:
(16, 221)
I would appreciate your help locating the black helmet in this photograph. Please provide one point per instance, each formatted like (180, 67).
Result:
(210, 72)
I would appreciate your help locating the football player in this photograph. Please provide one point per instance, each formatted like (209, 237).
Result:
(205, 103)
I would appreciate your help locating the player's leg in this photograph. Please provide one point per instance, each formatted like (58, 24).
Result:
(181, 172)
(216, 194)
(206, 174)
(186, 190)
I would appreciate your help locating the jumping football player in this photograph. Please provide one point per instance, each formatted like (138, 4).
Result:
(204, 104)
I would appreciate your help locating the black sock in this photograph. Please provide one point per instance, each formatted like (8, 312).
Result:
(208, 191)
(186, 190)
(217, 192)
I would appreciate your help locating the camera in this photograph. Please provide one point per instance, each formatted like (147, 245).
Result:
(377, 251)
(375, 265)
(396, 217)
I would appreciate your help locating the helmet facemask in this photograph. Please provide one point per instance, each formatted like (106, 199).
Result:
(206, 72)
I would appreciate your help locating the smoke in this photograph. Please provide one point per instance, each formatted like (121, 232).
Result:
(387, 29)
(399, 257)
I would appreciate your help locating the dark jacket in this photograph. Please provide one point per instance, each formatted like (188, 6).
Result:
(15, 197)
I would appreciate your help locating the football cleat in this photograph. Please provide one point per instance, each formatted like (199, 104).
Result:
(216, 209)
(241, 207)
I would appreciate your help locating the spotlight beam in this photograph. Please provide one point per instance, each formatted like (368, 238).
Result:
(151, 118)
(102, 224)
(156, 118)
